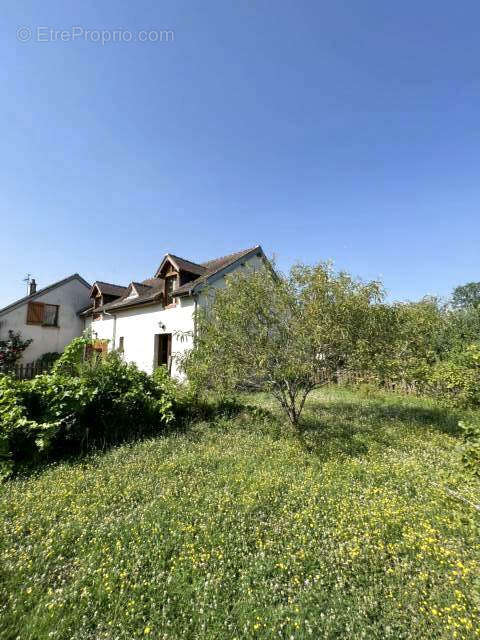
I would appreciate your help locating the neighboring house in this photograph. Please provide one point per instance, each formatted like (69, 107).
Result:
(142, 319)
(50, 316)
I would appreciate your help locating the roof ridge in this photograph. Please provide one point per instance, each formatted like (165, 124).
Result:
(31, 296)
(229, 255)
(112, 284)
(197, 264)
(222, 263)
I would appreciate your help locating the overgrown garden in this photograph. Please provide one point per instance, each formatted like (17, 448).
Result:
(284, 492)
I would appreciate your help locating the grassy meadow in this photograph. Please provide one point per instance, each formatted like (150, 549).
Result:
(239, 528)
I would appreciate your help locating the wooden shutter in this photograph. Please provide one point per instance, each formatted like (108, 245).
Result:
(35, 312)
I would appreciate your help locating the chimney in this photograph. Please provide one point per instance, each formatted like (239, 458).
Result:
(33, 286)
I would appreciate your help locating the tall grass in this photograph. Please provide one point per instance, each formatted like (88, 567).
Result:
(240, 529)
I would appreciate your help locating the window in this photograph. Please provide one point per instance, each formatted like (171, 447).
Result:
(42, 314)
(50, 315)
(121, 342)
(169, 287)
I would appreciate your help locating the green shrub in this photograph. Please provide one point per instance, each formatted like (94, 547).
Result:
(57, 413)
(21, 437)
(471, 447)
(457, 381)
(48, 359)
(71, 360)
(126, 402)
(11, 350)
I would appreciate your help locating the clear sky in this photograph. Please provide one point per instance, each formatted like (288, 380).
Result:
(322, 130)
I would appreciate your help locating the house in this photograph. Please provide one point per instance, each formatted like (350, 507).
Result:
(145, 320)
(49, 316)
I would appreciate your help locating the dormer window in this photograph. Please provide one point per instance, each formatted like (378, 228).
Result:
(170, 282)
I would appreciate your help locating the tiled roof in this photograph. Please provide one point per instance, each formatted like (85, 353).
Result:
(186, 265)
(146, 293)
(182, 264)
(150, 293)
(212, 267)
(141, 287)
(219, 263)
(151, 290)
(150, 282)
(109, 289)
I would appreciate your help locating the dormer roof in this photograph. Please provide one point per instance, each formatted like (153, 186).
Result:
(180, 264)
(109, 289)
(151, 290)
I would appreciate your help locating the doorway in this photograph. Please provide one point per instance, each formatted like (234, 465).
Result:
(164, 349)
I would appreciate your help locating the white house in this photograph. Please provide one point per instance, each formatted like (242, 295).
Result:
(50, 316)
(142, 319)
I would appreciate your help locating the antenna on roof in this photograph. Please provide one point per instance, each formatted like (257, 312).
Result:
(27, 280)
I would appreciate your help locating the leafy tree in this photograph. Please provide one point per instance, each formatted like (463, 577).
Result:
(11, 350)
(287, 335)
(411, 341)
(461, 327)
(467, 295)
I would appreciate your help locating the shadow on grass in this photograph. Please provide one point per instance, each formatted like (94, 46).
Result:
(343, 423)
(353, 427)
(334, 422)
(187, 417)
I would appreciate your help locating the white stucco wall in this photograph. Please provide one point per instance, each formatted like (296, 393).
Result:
(138, 326)
(101, 328)
(71, 297)
(254, 262)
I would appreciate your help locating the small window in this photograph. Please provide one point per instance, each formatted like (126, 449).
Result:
(50, 315)
(121, 342)
(42, 314)
(169, 287)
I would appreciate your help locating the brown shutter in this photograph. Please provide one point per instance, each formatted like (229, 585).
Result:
(35, 312)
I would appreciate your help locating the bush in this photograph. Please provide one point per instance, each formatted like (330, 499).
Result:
(457, 381)
(56, 413)
(72, 358)
(11, 350)
(471, 447)
(125, 403)
(21, 437)
(48, 359)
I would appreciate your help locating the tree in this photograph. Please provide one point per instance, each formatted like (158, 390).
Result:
(467, 295)
(287, 335)
(11, 350)
(412, 341)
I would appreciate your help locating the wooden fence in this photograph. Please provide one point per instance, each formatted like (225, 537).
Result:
(28, 371)
(400, 386)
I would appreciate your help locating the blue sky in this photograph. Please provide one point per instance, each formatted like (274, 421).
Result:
(340, 130)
